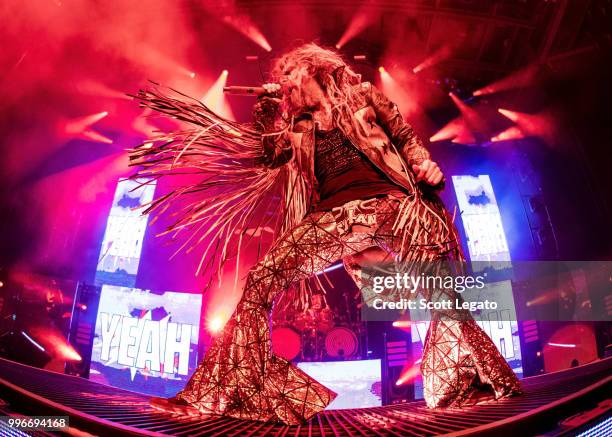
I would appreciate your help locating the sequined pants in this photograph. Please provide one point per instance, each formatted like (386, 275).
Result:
(240, 376)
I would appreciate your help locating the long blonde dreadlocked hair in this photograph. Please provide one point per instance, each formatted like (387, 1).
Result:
(334, 75)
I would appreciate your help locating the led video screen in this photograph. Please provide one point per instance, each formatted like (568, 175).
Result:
(125, 229)
(486, 242)
(145, 341)
(358, 383)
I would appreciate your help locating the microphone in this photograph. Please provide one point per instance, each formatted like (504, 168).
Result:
(244, 90)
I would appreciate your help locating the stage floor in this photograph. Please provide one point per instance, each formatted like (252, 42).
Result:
(103, 410)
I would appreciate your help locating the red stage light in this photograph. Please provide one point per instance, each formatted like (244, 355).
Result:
(94, 88)
(68, 352)
(95, 136)
(52, 341)
(79, 127)
(512, 133)
(462, 130)
(360, 21)
(518, 79)
(456, 131)
(403, 89)
(215, 324)
(243, 24)
(473, 120)
(538, 125)
(512, 115)
(435, 58)
(215, 97)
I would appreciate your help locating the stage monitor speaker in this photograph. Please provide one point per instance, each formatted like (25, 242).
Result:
(82, 327)
(397, 357)
(531, 347)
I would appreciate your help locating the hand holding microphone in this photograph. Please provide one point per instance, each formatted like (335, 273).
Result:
(270, 89)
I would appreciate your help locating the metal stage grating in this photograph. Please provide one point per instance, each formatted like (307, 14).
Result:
(103, 410)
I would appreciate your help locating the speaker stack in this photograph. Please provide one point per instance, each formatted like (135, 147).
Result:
(397, 356)
(82, 327)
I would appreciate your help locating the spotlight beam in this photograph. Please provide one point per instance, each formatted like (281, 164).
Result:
(244, 25)
(80, 128)
(362, 19)
(215, 98)
(519, 79)
(435, 58)
(408, 374)
(473, 120)
(95, 88)
(78, 125)
(538, 125)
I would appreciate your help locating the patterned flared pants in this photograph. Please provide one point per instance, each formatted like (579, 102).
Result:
(240, 377)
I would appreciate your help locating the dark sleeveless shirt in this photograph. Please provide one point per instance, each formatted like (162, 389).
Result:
(344, 173)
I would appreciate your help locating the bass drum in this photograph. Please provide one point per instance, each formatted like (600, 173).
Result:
(341, 343)
(286, 343)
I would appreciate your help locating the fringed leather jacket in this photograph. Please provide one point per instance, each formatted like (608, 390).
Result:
(378, 131)
(217, 207)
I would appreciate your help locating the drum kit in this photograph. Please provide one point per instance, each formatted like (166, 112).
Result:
(316, 334)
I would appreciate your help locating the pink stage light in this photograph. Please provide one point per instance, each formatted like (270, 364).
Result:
(68, 352)
(54, 343)
(435, 58)
(512, 115)
(215, 97)
(79, 128)
(95, 88)
(473, 120)
(464, 137)
(521, 78)
(362, 19)
(96, 137)
(461, 130)
(408, 374)
(512, 133)
(403, 93)
(147, 55)
(455, 130)
(243, 24)
(538, 125)
(78, 125)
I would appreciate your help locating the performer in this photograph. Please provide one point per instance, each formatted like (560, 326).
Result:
(356, 182)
